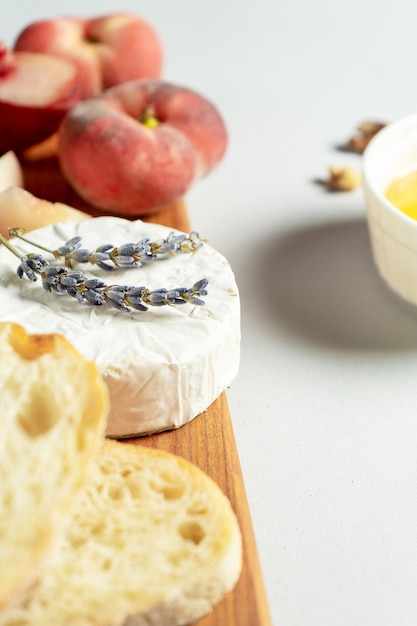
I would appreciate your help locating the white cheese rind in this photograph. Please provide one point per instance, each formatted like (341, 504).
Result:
(163, 367)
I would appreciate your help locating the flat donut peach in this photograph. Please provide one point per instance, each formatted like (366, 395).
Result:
(139, 146)
(107, 50)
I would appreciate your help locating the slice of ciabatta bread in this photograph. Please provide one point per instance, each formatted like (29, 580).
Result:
(154, 541)
(53, 414)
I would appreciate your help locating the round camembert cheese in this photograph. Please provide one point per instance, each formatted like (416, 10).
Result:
(164, 366)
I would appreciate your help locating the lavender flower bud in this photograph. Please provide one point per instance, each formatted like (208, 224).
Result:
(125, 261)
(71, 279)
(51, 276)
(156, 297)
(94, 283)
(200, 287)
(30, 265)
(176, 239)
(81, 255)
(115, 297)
(194, 300)
(127, 249)
(69, 246)
(105, 247)
(94, 297)
(133, 298)
(175, 297)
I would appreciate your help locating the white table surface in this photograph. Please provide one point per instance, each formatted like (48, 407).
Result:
(324, 407)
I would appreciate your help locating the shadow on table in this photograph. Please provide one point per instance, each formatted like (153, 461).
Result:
(322, 283)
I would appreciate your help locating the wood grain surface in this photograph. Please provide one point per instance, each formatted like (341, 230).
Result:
(208, 441)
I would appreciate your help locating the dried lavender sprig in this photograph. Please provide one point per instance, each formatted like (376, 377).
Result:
(74, 283)
(121, 297)
(127, 255)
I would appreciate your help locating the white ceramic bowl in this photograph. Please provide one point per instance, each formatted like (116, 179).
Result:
(392, 153)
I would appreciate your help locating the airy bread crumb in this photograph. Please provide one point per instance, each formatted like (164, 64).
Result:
(153, 541)
(54, 407)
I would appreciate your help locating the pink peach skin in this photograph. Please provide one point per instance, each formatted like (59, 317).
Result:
(108, 50)
(36, 90)
(123, 166)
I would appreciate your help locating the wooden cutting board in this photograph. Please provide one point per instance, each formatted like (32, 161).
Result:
(208, 441)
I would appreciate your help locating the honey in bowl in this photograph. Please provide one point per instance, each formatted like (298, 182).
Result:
(402, 193)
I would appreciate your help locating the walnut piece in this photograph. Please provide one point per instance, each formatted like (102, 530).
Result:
(365, 132)
(343, 178)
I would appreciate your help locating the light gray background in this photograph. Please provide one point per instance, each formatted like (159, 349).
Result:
(324, 407)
